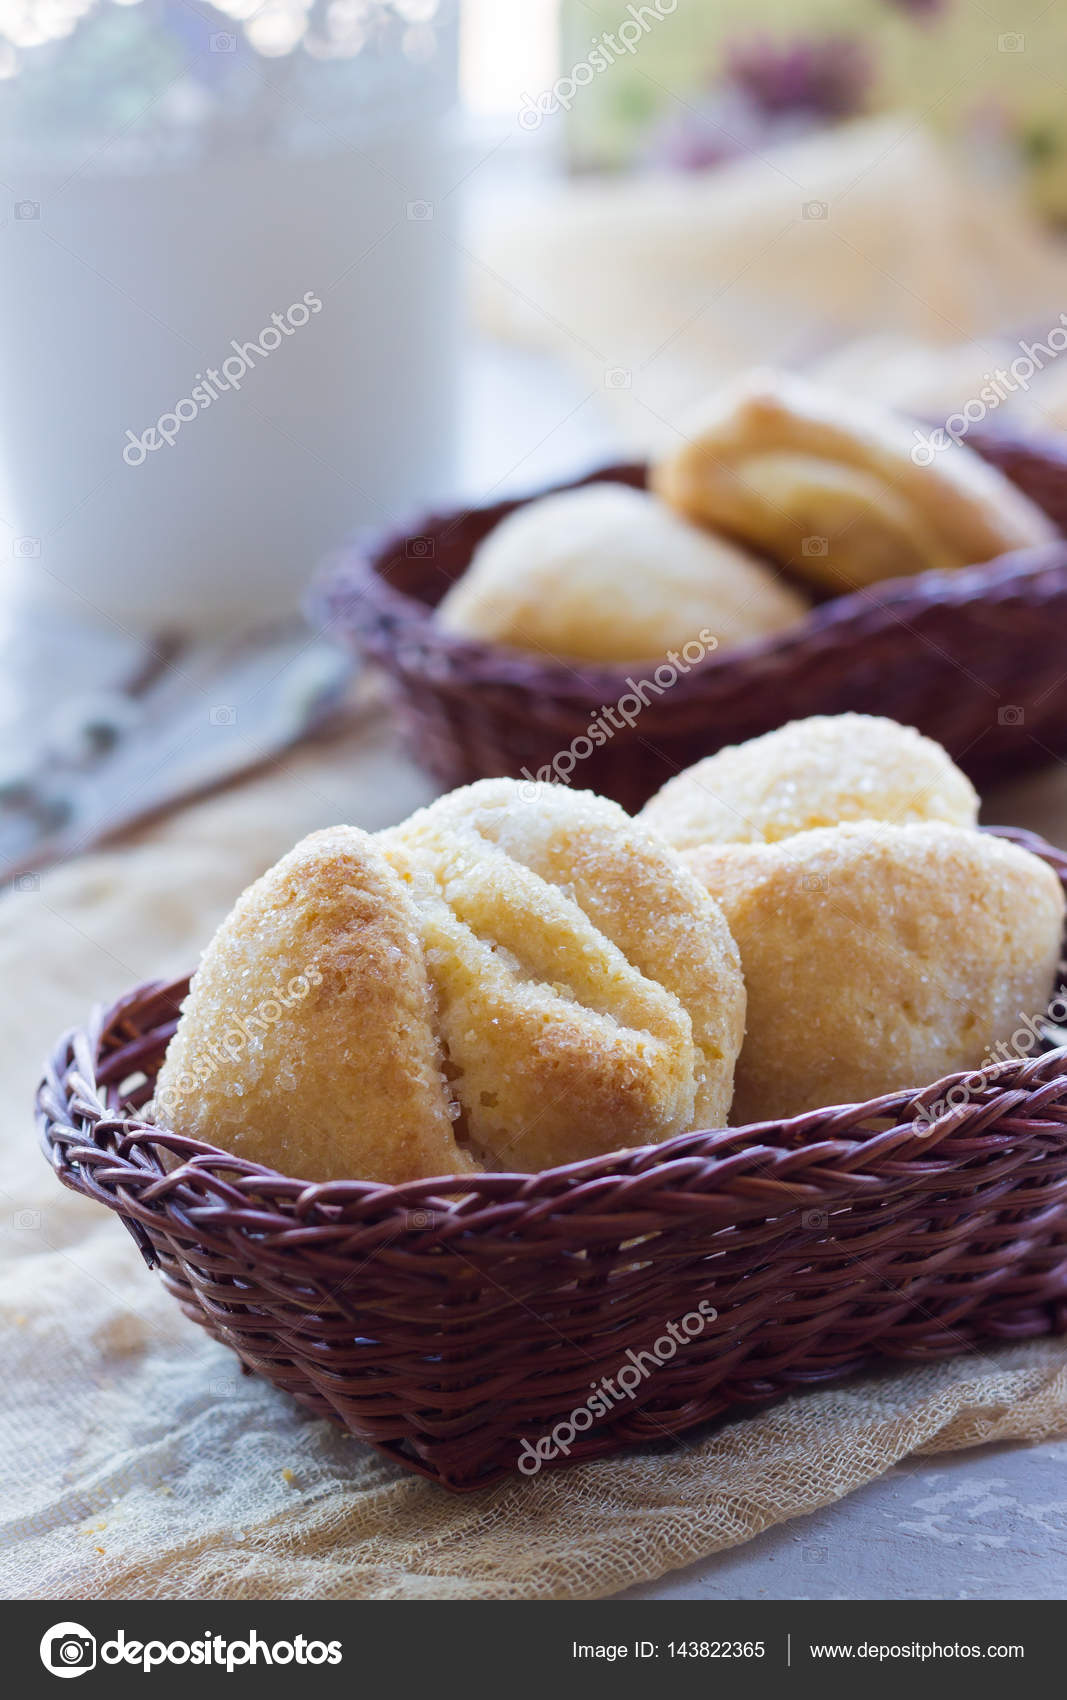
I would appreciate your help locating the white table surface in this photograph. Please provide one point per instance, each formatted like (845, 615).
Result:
(988, 1524)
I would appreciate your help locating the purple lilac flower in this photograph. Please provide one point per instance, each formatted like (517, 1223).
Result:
(767, 92)
(828, 78)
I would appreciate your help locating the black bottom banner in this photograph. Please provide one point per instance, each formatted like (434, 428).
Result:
(610, 1647)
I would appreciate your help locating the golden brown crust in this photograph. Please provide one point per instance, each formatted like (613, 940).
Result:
(812, 773)
(589, 994)
(607, 573)
(880, 957)
(828, 486)
(306, 1041)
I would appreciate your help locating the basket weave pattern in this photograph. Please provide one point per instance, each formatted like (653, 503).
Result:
(446, 1321)
(972, 658)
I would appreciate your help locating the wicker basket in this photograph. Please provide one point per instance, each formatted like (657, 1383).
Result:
(448, 1322)
(973, 658)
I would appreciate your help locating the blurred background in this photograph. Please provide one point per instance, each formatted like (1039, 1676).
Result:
(277, 270)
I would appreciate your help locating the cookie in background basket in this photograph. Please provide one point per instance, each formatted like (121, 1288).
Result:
(885, 941)
(608, 573)
(515, 977)
(828, 486)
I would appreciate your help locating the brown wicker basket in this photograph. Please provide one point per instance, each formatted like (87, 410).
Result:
(448, 1321)
(973, 658)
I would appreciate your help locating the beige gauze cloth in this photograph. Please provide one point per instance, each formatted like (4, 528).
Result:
(138, 1462)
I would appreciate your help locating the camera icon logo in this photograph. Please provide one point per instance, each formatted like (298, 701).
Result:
(815, 209)
(815, 1219)
(617, 378)
(27, 1221)
(814, 546)
(418, 1219)
(1010, 715)
(223, 714)
(223, 41)
(420, 209)
(27, 209)
(68, 1649)
(26, 882)
(1011, 43)
(26, 548)
(419, 548)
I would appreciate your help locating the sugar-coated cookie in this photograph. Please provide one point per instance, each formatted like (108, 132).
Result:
(879, 957)
(811, 773)
(827, 485)
(307, 1041)
(607, 573)
(589, 994)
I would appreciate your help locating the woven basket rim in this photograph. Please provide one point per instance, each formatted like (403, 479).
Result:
(712, 1167)
(353, 578)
